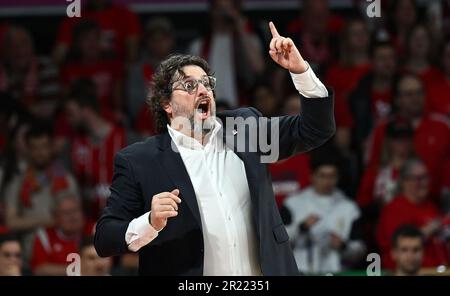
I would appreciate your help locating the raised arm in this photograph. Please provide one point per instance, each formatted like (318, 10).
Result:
(315, 124)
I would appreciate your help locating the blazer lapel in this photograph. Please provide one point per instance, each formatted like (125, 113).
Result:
(174, 166)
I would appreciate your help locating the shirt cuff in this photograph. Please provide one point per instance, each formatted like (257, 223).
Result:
(140, 233)
(308, 85)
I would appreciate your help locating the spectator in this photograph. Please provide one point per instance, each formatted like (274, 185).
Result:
(91, 263)
(52, 245)
(291, 175)
(94, 146)
(438, 92)
(407, 250)
(343, 76)
(419, 51)
(431, 132)
(412, 206)
(30, 195)
(119, 26)
(86, 60)
(316, 29)
(158, 42)
(371, 100)
(322, 221)
(354, 61)
(232, 49)
(10, 255)
(402, 19)
(379, 184)
(27, 78)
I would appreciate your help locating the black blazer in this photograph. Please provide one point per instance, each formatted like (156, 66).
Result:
(147, 168)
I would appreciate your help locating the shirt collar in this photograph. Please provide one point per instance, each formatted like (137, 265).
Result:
(182, 140)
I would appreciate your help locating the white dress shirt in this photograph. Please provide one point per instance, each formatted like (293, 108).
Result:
(219, 180)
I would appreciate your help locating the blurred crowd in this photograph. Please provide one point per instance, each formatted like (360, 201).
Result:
(380, 185)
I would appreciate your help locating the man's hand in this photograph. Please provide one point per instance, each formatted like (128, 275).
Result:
(311, 220)
(164, 206)
(335, 241)
(284, 52)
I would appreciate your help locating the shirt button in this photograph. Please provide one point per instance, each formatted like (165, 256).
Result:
(229, 218)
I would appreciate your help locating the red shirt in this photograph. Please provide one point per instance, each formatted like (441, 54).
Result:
(117, 23)
(431, 144)
(438, 97)
(93, 164)
(290, 176)
(342, 113)
(51, 247)
(399, 212)
(344, 79)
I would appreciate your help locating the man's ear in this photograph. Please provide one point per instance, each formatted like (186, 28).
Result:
(167, 106)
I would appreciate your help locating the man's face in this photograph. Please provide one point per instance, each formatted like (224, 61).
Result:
(416, 183)
(10, 258)
(384, 63)
(358, 36)
(408, 255)
(198, 105)
(92, 264)
(40, 151)
(410, 97)
(89, 44)
(19, 49)
(69, 216)
(325, 179)
(419, 43)
(405, 15)
(316, 16)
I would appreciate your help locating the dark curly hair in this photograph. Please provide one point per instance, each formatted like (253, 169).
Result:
(161, 86)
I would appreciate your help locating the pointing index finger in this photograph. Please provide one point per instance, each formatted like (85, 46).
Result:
(273, 30)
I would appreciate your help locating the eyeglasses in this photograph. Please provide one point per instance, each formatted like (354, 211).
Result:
(190, 85)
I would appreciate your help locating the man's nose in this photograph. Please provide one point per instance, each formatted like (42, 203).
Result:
(201, 89)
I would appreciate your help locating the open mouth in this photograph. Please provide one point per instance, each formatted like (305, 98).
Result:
(203, 108)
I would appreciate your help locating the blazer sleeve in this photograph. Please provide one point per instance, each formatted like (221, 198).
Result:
(124, 204)
(303, 132)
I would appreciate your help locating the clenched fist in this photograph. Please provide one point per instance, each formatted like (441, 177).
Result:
(164, 206)
(284, 52)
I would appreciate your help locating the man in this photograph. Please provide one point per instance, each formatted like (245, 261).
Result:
(407, 250)
(232, 48)
(10, 255)
(30, 195)
(93, 147)
(412, 206)
(192, 206)
(323, 222)
(52, 245)
(91, 263)
(431, 140)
